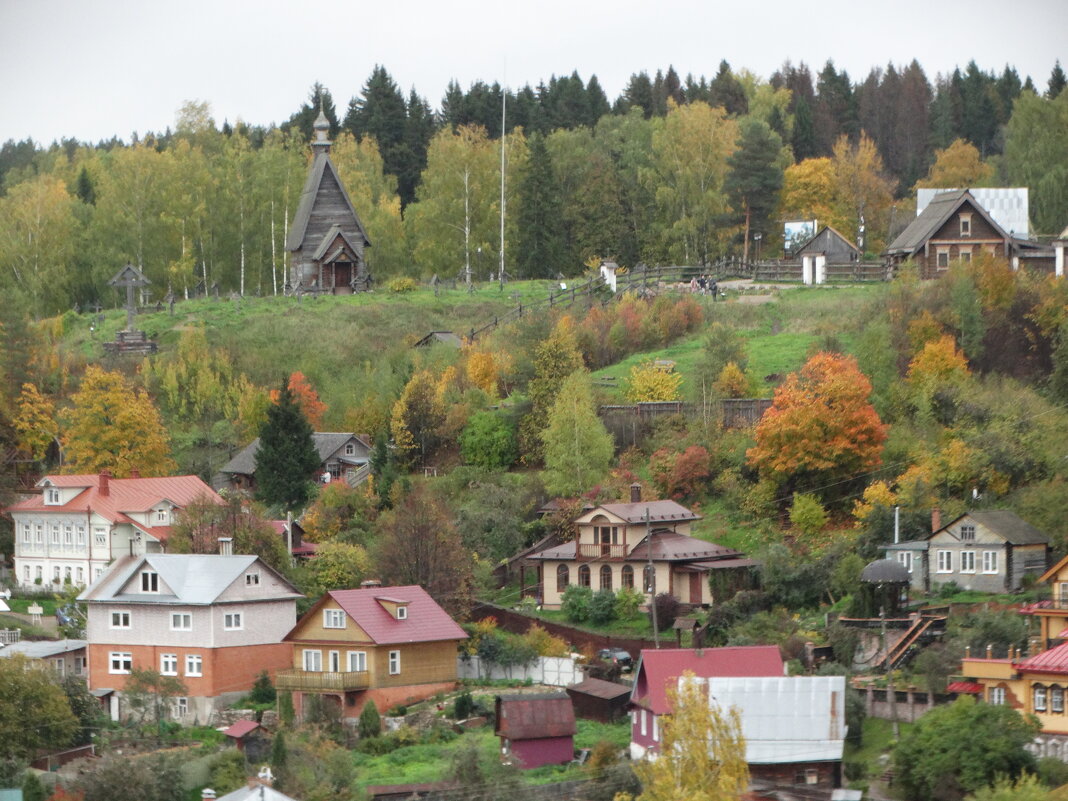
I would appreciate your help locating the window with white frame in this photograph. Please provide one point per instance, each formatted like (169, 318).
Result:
(965, 255)
(55, 574)
(168, 664)
(313, 661)
(334, 661)
(656, 729)
(180, 707)
(350, 449)
(38, 533)
(1039, 696)
(996, 696)
(79, 665)
(967, 533)
(68, 534)
(163, 516)
(181, 621)
(643, 725)
(67, 577)
(149, 581)
(990, 561)
(394, 663)
(26, 532)
(26, 573)
(79, 535)
(194, 665)
(965, 225)
(1056, 700)
(120, 620)
(357, 661)
(905, 558)
(55, 534)
(945, 561)
(967, 561)
(100, 536)
(402, 613)
(942, 257)
(120, 662)
(333, 618)
(252, 579)
(232, 621)
(81, 575)
(39, 570)
(52, 497)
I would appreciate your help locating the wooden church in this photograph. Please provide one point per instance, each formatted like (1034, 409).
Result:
(327, 240)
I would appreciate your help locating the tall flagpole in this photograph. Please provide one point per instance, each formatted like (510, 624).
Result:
(504, 106)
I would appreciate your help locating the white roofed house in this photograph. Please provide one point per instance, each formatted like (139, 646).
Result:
(214, 621)
(69, 531)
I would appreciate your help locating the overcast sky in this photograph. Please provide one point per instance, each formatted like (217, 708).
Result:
(90, 69)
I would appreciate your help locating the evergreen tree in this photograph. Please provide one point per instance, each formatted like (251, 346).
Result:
(84, 189)
(804, 134)
(452, 106)
(1057, 81)
(835, 111)
(639, 92)
(596, 101)
(380, 112)
(541, 245)
(727, 91)
(979, 119)
(755, 175)
(418, 131)
(286, 457)
(304, 119)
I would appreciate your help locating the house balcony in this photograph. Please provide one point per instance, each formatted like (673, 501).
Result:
(601, 551)
(310, 681)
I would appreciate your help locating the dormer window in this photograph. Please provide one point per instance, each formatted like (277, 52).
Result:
(402, 613)
(333, 618)
(163, 516)
(350, 449)
(149, 581)
(52, 497)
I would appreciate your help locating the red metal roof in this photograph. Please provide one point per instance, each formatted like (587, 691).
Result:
(240, 728)
(1055, 660)
(426, 621)
(535, 716)
(969, 687)
(124, 496)
(659, 671)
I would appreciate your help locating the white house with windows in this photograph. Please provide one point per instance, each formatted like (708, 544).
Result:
(214, 621)
(989, 551)
(72, 529)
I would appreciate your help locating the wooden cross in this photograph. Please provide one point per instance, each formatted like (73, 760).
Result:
(129, 277)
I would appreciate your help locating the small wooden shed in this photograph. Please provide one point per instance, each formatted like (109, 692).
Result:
(536, 728)
(597, 699)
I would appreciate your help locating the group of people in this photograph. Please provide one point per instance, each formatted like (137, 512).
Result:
(705, 284)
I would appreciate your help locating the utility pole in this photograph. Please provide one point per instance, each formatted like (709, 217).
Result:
(652, 577)
(504, 106)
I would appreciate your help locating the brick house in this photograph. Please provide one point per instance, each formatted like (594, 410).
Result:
(213, 621)
(77, 525)
(642, 545)
(393, 645)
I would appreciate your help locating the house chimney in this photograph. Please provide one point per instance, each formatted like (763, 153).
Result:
(105, 475)
(635, 492)
(135, 473)
(936, 519)
(264, 777)
(364, 585)
(226, 546)
(207, 794)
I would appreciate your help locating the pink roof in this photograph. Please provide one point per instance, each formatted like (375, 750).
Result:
(240, 728)
(659, 671)
(1055, 660)
(124, 495)
(426, 621)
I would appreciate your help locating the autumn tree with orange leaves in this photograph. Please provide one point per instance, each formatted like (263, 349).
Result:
(821, 434)
(306, 398)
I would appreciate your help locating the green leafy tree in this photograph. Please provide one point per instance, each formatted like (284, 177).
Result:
(1025, 788)
(32, 695)
(1037, 157)
(578, 448)
(148, 694)
(263, 691)
(959, 748)
(603, 607)
(204, 521)
(286, 457)
(555, 359)
(370, 723)
(120, 778)
(417, 418)
(576, 603)
(489, 441)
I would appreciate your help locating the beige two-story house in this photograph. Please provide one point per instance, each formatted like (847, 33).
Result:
(641, 545)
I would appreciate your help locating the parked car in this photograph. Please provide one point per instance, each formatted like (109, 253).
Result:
(616, 656)
(65, 615)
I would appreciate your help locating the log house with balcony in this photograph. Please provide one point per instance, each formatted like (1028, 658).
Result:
(393, 645)
(641, 545)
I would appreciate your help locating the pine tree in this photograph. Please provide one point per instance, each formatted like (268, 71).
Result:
(286, 457)
(541, 245)
(1057, 81)
(419, 129)
(804, 135)
(728, 92)
(597, 101)
(755, 177)
(380, 112)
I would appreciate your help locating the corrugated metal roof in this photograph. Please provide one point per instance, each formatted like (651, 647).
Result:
(535, 716)
(1055, 660)
(42, 649)
(927, 223)
(969, 687)
(599, 688)
(326, 443)
(196, 579)
(786, 718)
(240, 728)
(659, 511)
(668, 546)
(659, 670)
(1007, 205)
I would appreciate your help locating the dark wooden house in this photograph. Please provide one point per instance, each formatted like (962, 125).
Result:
(596, 699)
(344, 456)
(327, 240)
(830, 244)
(536, 728)
(953, 227)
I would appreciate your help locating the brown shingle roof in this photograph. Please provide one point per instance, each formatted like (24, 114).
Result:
(535, 716)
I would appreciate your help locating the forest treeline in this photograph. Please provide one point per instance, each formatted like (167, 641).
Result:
(673, 170)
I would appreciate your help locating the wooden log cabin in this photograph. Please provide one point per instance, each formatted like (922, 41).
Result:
(327, 240)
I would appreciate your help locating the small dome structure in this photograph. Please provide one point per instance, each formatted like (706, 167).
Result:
(885, 571)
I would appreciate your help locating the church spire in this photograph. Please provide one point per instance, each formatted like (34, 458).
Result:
(322, 130)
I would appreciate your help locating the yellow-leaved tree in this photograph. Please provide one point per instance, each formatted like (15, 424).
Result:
(702, 751)
(35, 422)
(959, 166)
(114, 426)
(649, 382)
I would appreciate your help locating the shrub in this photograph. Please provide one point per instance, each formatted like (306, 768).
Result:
(667, 609)
(370, 723)
(576, 603)
(544, 643)
(465, 705)
(402, 285)
(603, 607)
(628, 602)
(489, 441)
(285, 709)
(262, 690)
(807, 514)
